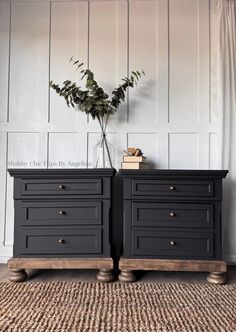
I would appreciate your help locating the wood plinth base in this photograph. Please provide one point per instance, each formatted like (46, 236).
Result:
(217, 268)
(17, 266)
(17, 275)
(217, 278)
(105, 275)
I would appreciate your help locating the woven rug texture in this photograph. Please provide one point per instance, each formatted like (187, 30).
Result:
(116, 307)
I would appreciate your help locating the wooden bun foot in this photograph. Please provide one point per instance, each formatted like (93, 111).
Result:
(17, 275)
(105, 275)
(217, 278)
(127, 276)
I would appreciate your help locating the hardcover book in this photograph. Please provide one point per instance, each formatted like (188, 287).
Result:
(136, 165)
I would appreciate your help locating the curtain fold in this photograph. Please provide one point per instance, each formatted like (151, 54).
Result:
(225, 90)
(227, 37)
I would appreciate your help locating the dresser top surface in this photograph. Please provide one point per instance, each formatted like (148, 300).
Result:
(21, 172)
(173, 173)
(38, 172)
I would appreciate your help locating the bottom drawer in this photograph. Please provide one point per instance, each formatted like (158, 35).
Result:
(172, 244)
(60, 242)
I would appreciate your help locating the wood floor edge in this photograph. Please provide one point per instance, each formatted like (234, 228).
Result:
(172, 265)
(60, 263)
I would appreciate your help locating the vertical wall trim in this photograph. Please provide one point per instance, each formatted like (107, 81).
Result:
(9, 64)
(157, 61)
(168, 154)
(127, 54)
(168, 65)
(198, 150)
(209, 150)
(116, 15)
(198, 61)
(88, 53)
(210, 54)
(88, 44)
(6, 175)
(87, 150)
(49, 60)
(47, 149)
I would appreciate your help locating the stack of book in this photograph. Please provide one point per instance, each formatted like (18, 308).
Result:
(134, 162)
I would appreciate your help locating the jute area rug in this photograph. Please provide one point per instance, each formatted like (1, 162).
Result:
(98, 307)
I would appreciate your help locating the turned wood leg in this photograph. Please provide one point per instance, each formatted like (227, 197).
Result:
(127, 276)
(217, 278)
(18, 275)
(105, 275)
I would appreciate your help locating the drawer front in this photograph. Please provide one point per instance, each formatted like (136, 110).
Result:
(172, 214)
(61, 242)
(173, 188)
(62, 187)
(172, 244)
(59, 213)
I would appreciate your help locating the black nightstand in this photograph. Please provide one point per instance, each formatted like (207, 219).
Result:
(172, 221)
(62, 220)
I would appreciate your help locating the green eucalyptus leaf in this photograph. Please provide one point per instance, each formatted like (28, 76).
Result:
(93, 100)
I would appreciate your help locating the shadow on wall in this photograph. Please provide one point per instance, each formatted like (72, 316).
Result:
(144, 93)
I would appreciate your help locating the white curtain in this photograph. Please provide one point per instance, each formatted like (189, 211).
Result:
(224, 100)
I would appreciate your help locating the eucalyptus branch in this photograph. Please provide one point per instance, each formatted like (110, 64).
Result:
(106, 121)
(100, 122)
(104, 138)
(93, 100)
(108, 152)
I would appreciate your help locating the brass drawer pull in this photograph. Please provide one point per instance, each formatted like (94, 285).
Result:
(172, 243)
(61, 212)
(61, 241)
(172, 214)
(61, 186)
(172, 188)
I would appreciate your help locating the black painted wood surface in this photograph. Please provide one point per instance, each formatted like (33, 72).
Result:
(172, 214)
(62, 213)
(156, 206)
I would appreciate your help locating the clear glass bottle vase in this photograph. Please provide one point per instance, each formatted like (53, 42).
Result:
(102, 153)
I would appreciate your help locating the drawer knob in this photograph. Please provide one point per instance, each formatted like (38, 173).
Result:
(172, 214)
(61, 241)
(61, 212)
(61, 186)
(172, 188)
(172, 243)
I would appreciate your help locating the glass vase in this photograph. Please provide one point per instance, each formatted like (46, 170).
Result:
(103, 153)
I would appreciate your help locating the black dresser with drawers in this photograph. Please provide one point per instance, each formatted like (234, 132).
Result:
(71, 218)
(62, 220)
(172, 221)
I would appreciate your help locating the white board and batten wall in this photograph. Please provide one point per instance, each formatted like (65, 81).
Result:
(169, 116)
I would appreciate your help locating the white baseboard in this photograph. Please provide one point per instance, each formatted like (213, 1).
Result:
(4, 259)
(5, 253)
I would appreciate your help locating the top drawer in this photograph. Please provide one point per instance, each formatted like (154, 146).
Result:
(32, 184)
(134, 188)
(62, 187)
